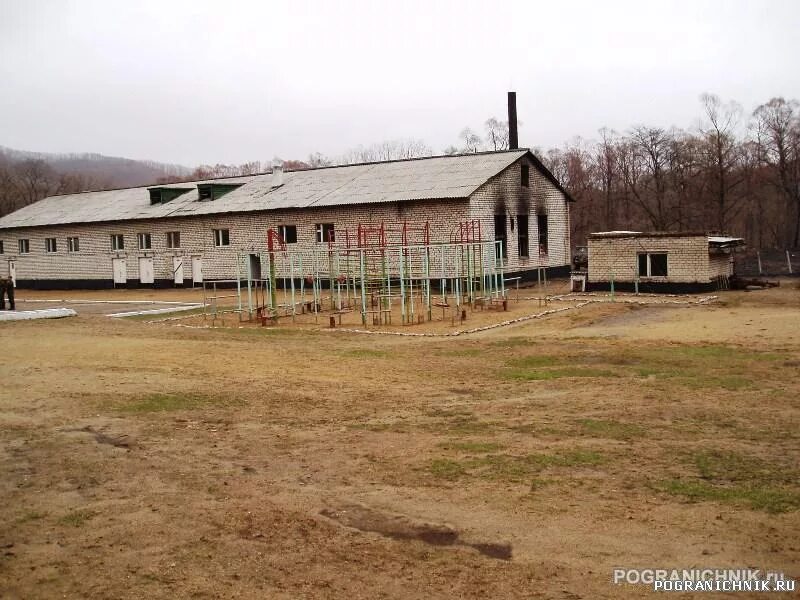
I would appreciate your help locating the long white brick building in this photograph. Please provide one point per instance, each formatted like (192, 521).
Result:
(182, 233)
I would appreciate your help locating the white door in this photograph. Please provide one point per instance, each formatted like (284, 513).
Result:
(146, 269)
(197, 269)
(120, 268)
(12, 272)
(177, 269)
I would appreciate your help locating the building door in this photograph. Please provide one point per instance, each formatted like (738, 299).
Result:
(255, 266)
(177, 269)
(197, 269)
(120, 269)
(12, 272)
(146, 274)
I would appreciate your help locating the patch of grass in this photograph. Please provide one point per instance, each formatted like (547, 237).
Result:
(731, 477)
(726, 382)
(472, 447)
(532, 362)
(568, 458)
(726, 466)
(443, 468)
(165, 402)
(31, 515)
(514, 342)
(395, 427)
(456, 421)
(76, 518)
(466, 425)
(536, 429)
(560, 373)
(465, 352)
(770, 499)
(615, 430)
(538, 483)
(365, 353)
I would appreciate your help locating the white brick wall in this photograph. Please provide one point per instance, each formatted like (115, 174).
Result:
(687, 258)
(720, 264)
(504, 194)
(248, 232)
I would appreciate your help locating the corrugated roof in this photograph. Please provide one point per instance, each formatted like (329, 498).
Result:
(396, 181)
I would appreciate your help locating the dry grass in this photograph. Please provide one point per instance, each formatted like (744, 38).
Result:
(578, 444)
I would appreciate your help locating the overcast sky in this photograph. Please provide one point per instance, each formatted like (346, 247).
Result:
(230, 81)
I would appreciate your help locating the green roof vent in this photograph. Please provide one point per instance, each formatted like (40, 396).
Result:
(162, 195)
(215, 191)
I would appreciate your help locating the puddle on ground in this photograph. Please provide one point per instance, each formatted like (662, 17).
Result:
(399, 527)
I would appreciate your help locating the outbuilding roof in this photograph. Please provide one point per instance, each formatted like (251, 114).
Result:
(716, 240)
(437, 177)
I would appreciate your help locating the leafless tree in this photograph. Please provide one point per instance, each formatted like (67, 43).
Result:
(496, 134)
(721, 155)
(779, 134)
(472, 141)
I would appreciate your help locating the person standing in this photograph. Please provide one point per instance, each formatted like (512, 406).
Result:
(6, 288)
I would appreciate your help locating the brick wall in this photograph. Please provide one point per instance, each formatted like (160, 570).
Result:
(248, 233)
(503, 194)
(687, 258)
(720, 265)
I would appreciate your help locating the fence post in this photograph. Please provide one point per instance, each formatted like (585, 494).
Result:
(789, 261)
(758, 256)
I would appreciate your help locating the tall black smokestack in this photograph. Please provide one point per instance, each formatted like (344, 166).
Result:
(513, 140)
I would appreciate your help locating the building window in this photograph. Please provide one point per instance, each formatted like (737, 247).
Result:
(222, 237)
(50, 245)
(500, 235)
(173, 239)
(2, 250)
(325, 233)
(288, 233)
(73, 245)
(24, 246)
(522, 235)
(541, 221)
(117, 241)
(525, 176)
(145, 242)
(653, 264)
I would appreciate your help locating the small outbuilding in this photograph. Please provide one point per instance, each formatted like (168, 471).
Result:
(676, 262)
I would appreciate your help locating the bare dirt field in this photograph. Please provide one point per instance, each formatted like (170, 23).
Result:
(150, 460)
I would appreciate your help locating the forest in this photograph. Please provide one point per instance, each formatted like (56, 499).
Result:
(733, 172)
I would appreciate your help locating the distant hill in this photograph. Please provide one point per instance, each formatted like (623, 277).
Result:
(113, 171)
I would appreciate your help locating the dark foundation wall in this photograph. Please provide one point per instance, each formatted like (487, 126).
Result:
(653, 287)
(93, 284)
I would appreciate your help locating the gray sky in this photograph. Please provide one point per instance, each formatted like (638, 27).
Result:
(230, 81)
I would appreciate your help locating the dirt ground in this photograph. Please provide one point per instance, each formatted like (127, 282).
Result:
(154, 460)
